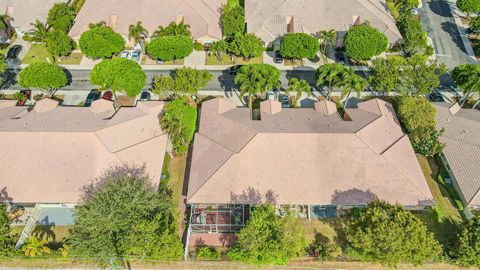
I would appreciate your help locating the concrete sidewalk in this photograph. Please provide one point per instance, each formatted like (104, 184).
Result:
(462, 28)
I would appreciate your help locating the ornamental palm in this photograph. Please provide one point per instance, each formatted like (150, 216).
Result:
(34, 247)
(173, 29)
(327, 36)
(4, 21)
(136, 32)
(299, 87)
(330, 75)
(39, 33)
(249, 82)
(352, 82)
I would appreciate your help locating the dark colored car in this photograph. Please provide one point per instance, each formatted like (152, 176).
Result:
(108, 95)
(145, 96)
(436, 97)
(234, 69)
(277, 58)
(92, 96)
(14, 51)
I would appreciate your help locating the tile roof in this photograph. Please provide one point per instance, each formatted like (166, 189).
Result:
(268, 18)
(48, 156)
(202, 15)
(302, 156)
(25, 12)
(462, 150)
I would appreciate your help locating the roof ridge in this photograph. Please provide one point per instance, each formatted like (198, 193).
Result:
(199, 13)
(381, 18)
(135, 144)
(477, 193)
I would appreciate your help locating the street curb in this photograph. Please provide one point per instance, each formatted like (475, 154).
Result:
(461, 27)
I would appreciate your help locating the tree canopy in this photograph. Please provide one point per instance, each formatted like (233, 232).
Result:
(246, 46)
(232, 20)
(363, 42)
(170, 47)
(388, 234)
(414, 38)
(469, 6)
(179, 121)
(182, 81)
(101, 42)
(59, 43)
(468, 250)
(61, 16)
(173, 29)
(467, 77)
(269, 239)
(119, 74)
(255, 79)
(298, 46)
(330, 76)
(6, 239)
(123, 214)
(43, 75)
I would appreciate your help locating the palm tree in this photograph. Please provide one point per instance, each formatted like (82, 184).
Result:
(101, 23)
(352, 82)
(249, 82)
(467, 77)
(4, 19)
(330, 75)
(327, 37)
(39, 33)
(218, 48)
(136, 32)
(173, 29)
(34, 247)
(299, 87)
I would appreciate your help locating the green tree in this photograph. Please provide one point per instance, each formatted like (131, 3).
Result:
(255, 79)
(352, 82)
(137, 31)
(219, 48)
(469, 7)
(390, 235)
(425, 141)
(298, 87)
(173, 29)
(208, 253)
(329, 76)
(34, 247)
(6, 239)
(123, 214)
(298, 46)
(119, 74)
(61, 16)
(384, 73)
(170, 47)
(59, 43)
(4, 21)
(467, 77)
(190, 81)
(414, 38)
(363, 42)
(246, 46)
(77, 5)
(179, 121)
(468, 250)
(43, 75)
(232, 20)
(269, 239)
(101, 42)
(164, 85)
(416, 113)
(475, 25)
(327, 37)
(39, 33)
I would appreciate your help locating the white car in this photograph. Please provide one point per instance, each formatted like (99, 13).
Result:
(124, 54)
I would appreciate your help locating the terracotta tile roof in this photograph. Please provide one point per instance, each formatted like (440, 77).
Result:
(268, 18)
(202, 15)
(462, 150)
(48, 156)
(301, 156)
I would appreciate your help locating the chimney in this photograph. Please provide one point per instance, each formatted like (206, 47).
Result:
(112, 23)
(290, 25)
(455, 108)
(325, 107)
(9, 11)
(179, 19)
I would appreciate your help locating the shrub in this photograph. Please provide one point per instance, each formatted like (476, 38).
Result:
(246, 46)
(232, 21)
(6, 239)
(101, 42)
(298, 46)
(59, 43)
(415, 113)
(469, 6)
(170, 47)
(468, 249)
(323, 249)
(198, 46)
(425, 141)
(363, 42)
(208, 254)
(414, 38)
(179, 121)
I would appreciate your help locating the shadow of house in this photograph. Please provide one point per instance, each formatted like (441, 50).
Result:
(353, 196)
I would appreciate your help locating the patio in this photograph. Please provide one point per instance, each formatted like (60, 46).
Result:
(218, 219)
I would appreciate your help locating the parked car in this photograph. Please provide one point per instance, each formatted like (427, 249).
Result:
(145, 96)
(234, 69)
(14, 51)
(92, 96)
(124, 54)
(436, 97)
(277, 58)
(136, 55)
(271, 95)
(108, 95)
(285, 101)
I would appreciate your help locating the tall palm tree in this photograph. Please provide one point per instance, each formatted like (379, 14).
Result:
(34, 247)
(299, 87)
(249, 83)
(136, 32)
(352, 82)
(327, 37)
(330, 75)
(39, 33)
(173, 29)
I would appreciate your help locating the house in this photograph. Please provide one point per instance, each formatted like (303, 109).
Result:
(50, 152)
(309, 159)
(26, 12)
(461, 154)
(203, 16)
(271, 19)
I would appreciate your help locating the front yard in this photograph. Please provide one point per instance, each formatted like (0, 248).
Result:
(38, 53)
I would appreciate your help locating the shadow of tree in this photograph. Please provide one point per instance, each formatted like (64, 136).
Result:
(452, 30)
(46, 232)
(253, 196)
(339, 226)
(4, 197)
(353, 196)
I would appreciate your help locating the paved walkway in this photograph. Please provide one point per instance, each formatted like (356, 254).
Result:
(195, 60)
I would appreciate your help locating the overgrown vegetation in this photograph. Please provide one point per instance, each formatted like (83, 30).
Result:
(181, 81)
(468, 251)
(179, 121)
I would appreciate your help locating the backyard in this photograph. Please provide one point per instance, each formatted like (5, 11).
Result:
(38, 53)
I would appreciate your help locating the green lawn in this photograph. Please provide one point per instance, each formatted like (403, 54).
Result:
(38, 53)
(177, 170)
(53, 234)
(213, 60)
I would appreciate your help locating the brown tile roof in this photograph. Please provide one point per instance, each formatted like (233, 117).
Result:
(48, 156)
(462, 150)
(202, 15)
(301, 156)
(268, 18)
